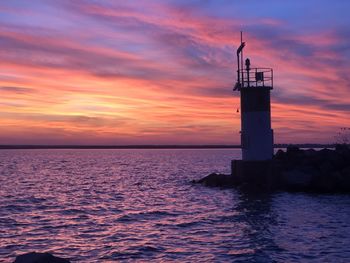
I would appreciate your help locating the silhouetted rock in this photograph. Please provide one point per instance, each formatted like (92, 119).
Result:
(342, 148)
(345, 178)
(293, 151)
(34, 257)
(296, 179)
(346, 171)
(293, 170)
(214, 179)
(309, 152)
(280, 155)
(326, 167)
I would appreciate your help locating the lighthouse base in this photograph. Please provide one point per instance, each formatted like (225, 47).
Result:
(255, 175)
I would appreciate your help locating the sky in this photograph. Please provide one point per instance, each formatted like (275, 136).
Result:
(162, 72)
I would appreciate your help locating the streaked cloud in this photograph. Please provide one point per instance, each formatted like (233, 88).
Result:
(163, 71)
(10, 89)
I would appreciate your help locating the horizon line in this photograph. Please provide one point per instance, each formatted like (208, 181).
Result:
(153, 146)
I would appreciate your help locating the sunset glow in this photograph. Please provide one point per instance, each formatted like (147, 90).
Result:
(162, 72)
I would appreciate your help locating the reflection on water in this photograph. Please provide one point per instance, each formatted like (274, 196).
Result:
(138, 205)
(259, 218)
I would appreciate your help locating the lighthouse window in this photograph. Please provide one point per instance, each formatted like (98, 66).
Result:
(259, 76)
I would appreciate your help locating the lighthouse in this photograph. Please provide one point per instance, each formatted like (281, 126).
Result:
(254, 85)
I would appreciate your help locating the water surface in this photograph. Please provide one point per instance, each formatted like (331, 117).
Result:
(138, 205)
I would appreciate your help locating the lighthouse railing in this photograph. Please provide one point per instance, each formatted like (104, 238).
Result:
(256, 77)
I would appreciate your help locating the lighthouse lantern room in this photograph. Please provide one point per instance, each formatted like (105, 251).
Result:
(254, 85)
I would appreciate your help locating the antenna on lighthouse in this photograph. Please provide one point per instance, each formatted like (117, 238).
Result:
(239, 64)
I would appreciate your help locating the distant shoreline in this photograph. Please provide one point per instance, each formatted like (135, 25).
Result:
(211, 146)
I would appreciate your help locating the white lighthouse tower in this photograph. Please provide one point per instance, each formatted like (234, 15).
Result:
(254, 85)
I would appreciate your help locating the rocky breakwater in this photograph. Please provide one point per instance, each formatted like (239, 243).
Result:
(326, 170)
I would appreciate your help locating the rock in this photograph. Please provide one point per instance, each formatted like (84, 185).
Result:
(337, 160)
(325, 183)
(296, 179)
(293, 150)
(338, 180)
(345, 179)
(34, 257)
(326, 168)
(342, 148)
(215, 179)
(346, 171)
(310, 152)
(325, 154)
(280, 155)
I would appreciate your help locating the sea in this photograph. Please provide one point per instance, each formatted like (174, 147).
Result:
(129, 205)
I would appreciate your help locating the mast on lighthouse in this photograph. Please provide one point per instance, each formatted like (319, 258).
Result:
(254, 85)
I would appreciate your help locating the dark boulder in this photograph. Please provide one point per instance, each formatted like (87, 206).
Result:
(34, 257)
(325, 154)
(280, 155)
(215, 179)
(296, 179)
(346, 171)
(325, 168)
(310, 152)
(325, 183)
(294, 152)
(342, 148)
(345, 179)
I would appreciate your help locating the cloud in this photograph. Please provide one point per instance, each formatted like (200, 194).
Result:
(19, 90)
